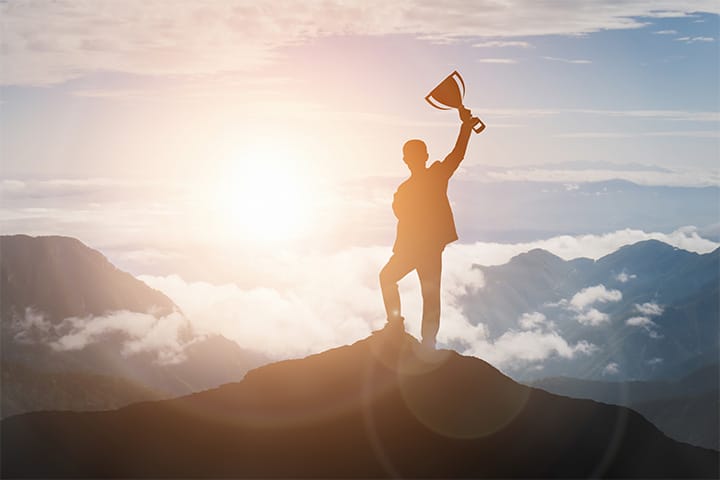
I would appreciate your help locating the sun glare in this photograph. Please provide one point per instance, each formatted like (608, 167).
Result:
(264, 197)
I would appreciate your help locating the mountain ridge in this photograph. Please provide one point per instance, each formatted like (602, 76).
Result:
(685, 409)
(63, 277)
(674, 293)
(381, 407)
(46, 280)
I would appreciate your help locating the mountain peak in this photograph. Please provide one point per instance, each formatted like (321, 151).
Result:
(536, 256)
(646, 252)
(381, 407)
(655, 245)
(75, 280)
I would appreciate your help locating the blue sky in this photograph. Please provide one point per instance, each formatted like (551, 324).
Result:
(218, 147)
(592, 81)
(157, 116)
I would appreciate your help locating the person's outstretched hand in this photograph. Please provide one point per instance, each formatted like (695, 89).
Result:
(465, 114)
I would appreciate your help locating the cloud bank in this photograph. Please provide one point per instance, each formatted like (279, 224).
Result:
(568, 247)
(311, 302)
(647, 310)
(50, 42)
(611, 368)
(592, 295)
(537, 340)
(165, 337)
(582, 304)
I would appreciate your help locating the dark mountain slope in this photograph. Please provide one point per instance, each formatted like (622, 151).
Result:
(521, 285)
(682, 287)
(690, 419)
(381, 407)
(626, 393)
(686, 409)
(25, 390)
(59, 277)
(62, 277)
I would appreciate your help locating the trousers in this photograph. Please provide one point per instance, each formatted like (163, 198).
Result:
(429, 270)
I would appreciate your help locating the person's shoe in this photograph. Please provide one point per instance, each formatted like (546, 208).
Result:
(393, 327)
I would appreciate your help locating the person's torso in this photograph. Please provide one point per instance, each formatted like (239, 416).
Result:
(425, 219)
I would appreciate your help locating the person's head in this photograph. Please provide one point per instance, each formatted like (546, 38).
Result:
(415, 154)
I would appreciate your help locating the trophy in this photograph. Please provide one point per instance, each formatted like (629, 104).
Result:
(449, 94)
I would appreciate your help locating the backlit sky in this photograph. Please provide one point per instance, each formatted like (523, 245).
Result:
(217, 147)
(172, 89)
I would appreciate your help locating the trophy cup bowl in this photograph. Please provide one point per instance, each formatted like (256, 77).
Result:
(449, 94)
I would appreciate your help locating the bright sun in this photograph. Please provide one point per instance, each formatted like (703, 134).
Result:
(264, 198)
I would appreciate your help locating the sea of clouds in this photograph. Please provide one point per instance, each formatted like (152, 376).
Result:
(310, 303)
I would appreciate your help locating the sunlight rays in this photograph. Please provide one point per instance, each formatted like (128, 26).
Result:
(265, 196)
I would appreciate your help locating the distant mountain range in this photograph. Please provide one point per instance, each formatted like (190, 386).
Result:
(46, 280)
(652, 310)
(687, 409)
(524, 211)
(27, 390)
(664, 368)
(382, 407)
(61, 277)
(488, 209)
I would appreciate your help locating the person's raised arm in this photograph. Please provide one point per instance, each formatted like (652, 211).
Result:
(452, 161)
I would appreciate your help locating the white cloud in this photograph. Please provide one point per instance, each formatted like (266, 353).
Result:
(166, 337)
(345, 305)
(624, 277)
(581, 303)
(679, 115)
(48, 42)
(644, 322)
(31, 327)
(666, 32)
(588, 246)
(611, 368)
(502, 44)
(650, 308)
(648, 176)
(578, 61)
(299, 304)
(514, 349)
(695, 39)
(663, 133)
(640, 322)
(595, 294)
(336, 300)
(497, 60)
(145, 333)
(592, 317)
(320, 301)
(530, 321)
(655, 361)
(325, 304)
(692, 116)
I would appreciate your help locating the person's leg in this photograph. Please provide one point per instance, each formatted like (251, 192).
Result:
(395, 269)
(429, 271)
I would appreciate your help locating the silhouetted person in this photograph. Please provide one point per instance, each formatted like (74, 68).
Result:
(425, 226)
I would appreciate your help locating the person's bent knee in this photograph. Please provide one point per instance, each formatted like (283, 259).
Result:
(385, 279)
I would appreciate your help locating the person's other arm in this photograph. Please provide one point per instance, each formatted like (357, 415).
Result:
(397, 205)
(452, 161)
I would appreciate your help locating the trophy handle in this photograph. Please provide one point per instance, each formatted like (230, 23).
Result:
(457, 75)
(478, 125)
(434, 103)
